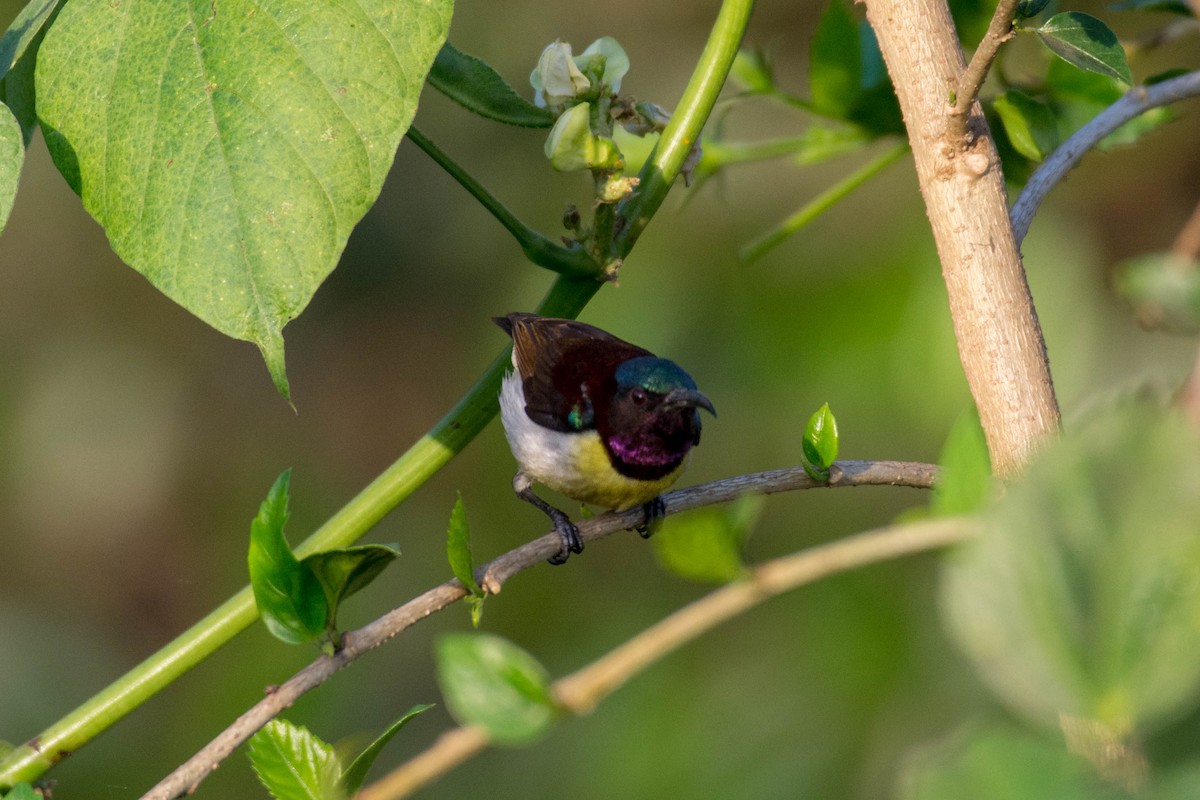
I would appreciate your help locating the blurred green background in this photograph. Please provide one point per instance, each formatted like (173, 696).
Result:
(136, 443)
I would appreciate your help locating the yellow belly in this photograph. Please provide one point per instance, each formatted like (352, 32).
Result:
(588, 475)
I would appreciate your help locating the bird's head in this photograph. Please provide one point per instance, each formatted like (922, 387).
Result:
(653, 417)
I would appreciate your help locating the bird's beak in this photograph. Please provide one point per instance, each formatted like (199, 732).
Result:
(684, 398)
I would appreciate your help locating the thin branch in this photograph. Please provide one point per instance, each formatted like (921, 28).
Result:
(1136, 101)
(492, 577)
(999, 31)
(580, 692)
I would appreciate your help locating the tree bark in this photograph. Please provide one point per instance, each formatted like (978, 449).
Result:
(999, 339)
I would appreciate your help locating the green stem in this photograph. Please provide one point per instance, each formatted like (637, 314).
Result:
(684, 128)
(566, 298)
(820, 204)
(537, 248)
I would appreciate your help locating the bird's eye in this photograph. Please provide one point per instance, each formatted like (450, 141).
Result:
(638, 396)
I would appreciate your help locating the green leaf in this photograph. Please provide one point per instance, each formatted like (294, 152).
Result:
(1000, 763)
(289, 596)
(834, 62)
(294, 764)
(458, 548)
(1164, 290)
(23, 31)
(21, 43)
(1079, 597)
(965, 483)
(229, 150)
(706, 546)
(491, 682)
(343, 572)
(1087, 43)
(22, 791)
(458, 552)
(473, 84)
(821, 441)
(1031, 126)
(12, 158)
(357, 771)
(1030, 8)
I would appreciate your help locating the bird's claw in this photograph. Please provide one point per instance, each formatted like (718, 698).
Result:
(654, 512)
(568, 532)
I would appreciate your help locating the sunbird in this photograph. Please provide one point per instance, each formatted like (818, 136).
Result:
(595, 418)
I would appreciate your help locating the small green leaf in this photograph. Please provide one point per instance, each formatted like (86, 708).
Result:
(491, 682)
(12, 158)
(289, 596)
(965, 483)
(1000, 763)
(1030, 125)
(1030, 8)
(1087, 43)
(22, 791)
(706, 546)
(821, 440)
(343, 572)
(834, 61)
(473, 84)
(357, 771)
(458, 548)
(294, 764)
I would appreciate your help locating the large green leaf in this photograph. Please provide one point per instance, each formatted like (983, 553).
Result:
(1080, 597)
(228, 149)
(294, 764)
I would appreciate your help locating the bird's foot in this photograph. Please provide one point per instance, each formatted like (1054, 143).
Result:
(654, 512)
(568, 532)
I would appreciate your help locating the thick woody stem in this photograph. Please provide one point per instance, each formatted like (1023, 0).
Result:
(999, 339)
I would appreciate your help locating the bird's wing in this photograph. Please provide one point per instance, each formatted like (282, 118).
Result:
(562, 365)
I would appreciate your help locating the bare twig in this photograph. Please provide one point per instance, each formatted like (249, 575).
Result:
(492, 576)
(1137, 100)
(999, 31)
(580, 692)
